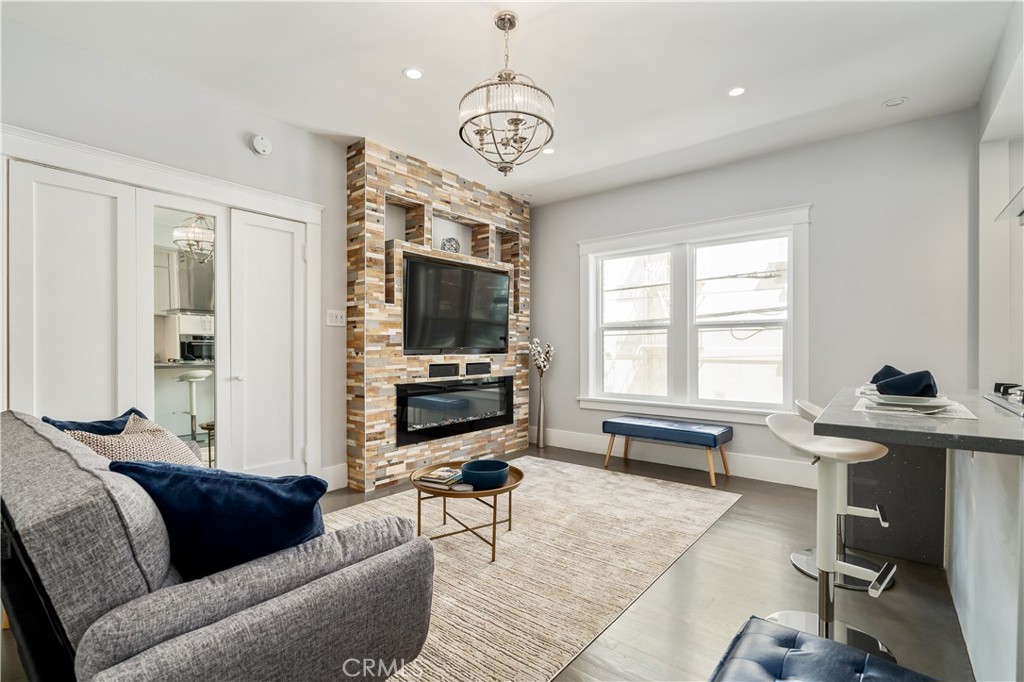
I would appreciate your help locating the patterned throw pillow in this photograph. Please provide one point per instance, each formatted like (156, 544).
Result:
(141, 441)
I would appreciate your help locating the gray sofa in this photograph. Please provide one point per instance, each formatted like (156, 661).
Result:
(97, 588)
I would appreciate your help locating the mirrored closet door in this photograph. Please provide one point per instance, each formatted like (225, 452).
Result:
(187, 257)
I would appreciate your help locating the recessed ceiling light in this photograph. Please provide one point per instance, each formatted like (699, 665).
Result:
(736, 92)
(894, 102)
(412, 73)
(548, 150)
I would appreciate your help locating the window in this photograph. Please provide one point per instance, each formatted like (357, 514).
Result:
(701, 317)
(635, 315)
(740, 308)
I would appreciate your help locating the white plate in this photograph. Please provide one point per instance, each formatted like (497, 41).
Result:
(898, 409)
(910, 400)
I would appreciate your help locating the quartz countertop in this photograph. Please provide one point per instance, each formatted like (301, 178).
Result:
(995, 430)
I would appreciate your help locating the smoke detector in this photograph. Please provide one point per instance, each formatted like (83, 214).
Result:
(260, 145)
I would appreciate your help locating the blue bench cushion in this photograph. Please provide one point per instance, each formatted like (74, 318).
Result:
(673, 430)
(763, 650)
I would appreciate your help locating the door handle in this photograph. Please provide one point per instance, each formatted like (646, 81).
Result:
(238, 378)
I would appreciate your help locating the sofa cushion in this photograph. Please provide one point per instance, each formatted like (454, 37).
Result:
(218, 519)
(144, 623)
(141, 441)
(96, 539)
(105, 427)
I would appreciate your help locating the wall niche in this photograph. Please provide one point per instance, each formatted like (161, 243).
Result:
(395, 202)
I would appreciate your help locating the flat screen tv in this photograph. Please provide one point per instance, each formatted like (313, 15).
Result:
(453, 309)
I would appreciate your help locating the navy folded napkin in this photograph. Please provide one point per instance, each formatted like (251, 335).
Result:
(887, 372)
(914, 384)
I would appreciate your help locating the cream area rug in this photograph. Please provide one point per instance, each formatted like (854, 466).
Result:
(584, 544)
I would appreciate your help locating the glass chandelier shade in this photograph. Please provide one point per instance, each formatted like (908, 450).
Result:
(507, 119)
(194, 237)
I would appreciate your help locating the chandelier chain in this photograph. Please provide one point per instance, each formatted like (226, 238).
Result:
(506, 48)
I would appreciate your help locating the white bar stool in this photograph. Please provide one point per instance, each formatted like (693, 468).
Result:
(805, 560)
(192, 378)
(829, 453)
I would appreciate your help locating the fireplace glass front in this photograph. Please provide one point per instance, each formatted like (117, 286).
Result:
(437, 409)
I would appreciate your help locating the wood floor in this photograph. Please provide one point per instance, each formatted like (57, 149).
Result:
(678, 628)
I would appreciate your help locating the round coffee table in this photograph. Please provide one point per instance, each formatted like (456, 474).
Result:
(423, 492)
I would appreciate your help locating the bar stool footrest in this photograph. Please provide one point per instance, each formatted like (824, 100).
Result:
(806, 561)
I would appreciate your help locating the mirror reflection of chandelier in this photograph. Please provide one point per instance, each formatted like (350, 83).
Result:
(194, 237)
(507, 118)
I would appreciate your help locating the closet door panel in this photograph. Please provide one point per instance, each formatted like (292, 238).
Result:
(267, 344)
(73, 294)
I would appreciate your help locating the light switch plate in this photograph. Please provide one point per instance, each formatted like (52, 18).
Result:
(335, 318)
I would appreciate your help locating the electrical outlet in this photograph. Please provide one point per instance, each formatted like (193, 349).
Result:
(335, 318)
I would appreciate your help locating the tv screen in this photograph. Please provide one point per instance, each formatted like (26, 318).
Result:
(453, 309)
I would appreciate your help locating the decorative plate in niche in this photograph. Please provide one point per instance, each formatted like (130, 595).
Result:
(450, 244)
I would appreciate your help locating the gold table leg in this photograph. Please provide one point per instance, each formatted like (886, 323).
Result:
(494, 529)
(419, 514)
(444, 510)
(510, 510)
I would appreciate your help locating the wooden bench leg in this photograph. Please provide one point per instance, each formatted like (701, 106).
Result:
(725, 462)
(608, 455)
(711, 466)
(625, 453)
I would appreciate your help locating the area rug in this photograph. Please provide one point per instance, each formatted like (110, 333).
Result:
(584, 544)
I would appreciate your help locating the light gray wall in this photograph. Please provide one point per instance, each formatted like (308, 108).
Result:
(888, 266)
(986, 544)
(54, 88)
(986, 558)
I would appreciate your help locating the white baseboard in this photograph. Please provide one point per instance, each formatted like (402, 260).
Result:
(759, 467)
(336, 476)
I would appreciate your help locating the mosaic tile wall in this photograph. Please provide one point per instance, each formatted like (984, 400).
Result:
(500, 225)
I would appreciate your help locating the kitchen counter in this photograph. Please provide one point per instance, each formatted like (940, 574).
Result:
(995, 430)
(911, 480)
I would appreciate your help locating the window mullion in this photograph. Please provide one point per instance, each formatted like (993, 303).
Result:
(677, 341)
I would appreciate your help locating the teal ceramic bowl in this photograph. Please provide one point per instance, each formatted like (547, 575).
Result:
(485, 474)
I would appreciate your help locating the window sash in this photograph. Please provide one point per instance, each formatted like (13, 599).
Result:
(601, 327)
(694, 326)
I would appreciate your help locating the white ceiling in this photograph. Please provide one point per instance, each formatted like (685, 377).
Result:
(639, 88)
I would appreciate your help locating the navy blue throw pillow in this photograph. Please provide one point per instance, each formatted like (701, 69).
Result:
(218, 519)
(107, 427)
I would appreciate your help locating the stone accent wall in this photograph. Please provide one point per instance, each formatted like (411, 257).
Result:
(500, 226)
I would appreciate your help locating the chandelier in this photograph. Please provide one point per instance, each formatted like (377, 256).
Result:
(507, 118)
(194, 237)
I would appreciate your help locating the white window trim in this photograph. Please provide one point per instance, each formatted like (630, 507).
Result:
(794, 218)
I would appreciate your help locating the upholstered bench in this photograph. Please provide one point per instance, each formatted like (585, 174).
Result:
(709, 436)
(763, 650)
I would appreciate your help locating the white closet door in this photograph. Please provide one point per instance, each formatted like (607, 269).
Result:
(268, 358)
(74, 296)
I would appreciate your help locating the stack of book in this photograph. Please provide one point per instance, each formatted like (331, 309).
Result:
(445, 478)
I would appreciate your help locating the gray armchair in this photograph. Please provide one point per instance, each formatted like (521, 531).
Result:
(91, 593)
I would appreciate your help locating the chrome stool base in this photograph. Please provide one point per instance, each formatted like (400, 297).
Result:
(843, 633)
(806, 561)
